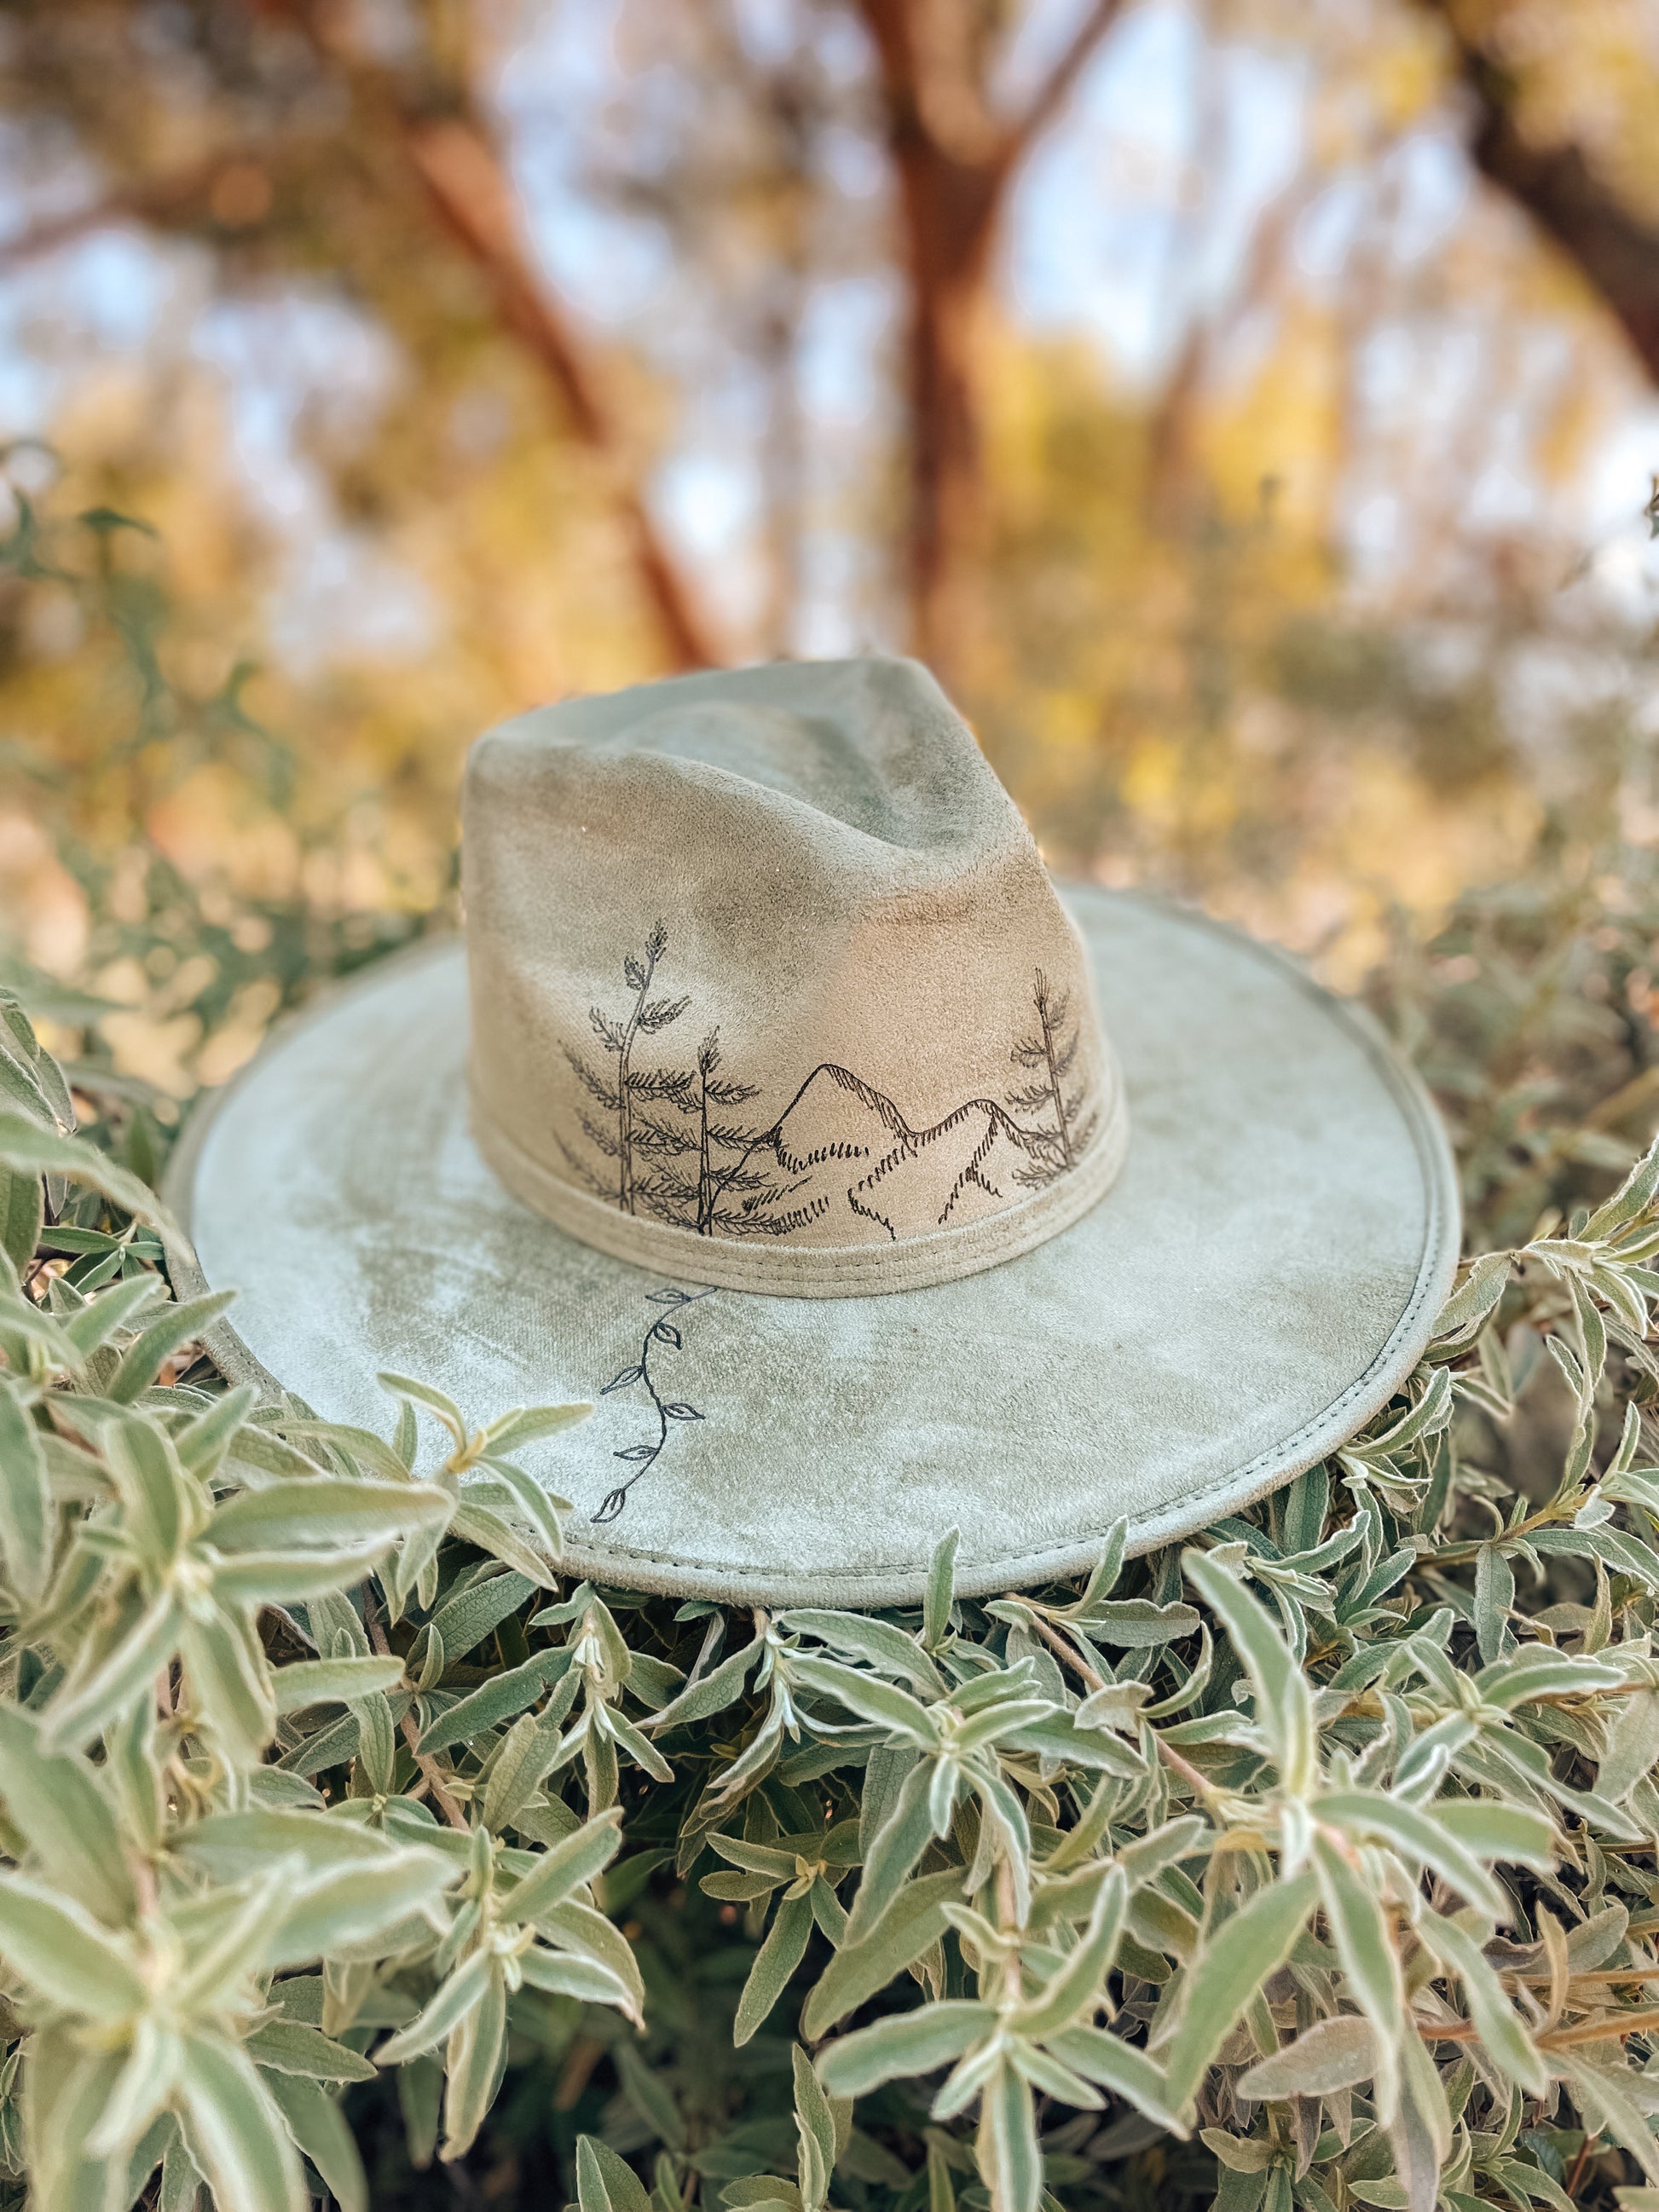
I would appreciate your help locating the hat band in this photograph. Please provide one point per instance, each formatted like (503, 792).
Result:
(800, 1271)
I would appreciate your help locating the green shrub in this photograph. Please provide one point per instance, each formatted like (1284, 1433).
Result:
(1305, 1843)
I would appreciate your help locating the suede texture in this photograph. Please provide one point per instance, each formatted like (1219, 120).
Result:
(1261, 1277)
(769, 985)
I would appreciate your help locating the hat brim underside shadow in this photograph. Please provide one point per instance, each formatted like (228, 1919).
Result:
(1258, 1282)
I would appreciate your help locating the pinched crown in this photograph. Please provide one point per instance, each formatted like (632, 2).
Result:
(770, 988)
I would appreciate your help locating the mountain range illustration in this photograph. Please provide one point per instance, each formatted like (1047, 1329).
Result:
(672, 1142)
(845, 1157)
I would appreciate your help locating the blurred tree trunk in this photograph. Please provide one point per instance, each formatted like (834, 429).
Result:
(1615, 248)
(954, 160)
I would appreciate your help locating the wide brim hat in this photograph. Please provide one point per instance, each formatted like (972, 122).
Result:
(1204, 1243)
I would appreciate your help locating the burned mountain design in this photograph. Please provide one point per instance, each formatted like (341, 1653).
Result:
(841, 1164)
(845, 1157)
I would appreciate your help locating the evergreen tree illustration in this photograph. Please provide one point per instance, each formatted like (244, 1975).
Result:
(1050, 1054)
(729, 1195)
(621, 1091)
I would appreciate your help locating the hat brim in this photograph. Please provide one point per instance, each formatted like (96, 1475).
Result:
(1260, 1281)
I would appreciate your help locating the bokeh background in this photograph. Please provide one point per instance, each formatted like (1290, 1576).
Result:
(1247, 406)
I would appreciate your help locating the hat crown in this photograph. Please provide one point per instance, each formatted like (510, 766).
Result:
(770, 986)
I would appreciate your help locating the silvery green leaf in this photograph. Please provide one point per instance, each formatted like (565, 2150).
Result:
(1618, 2103)
(905, 2043)
(1136, 1624)
(580, 1929)
(883, 1778)
(869, 1696)
(160, 1498)
(638, 1748)
(772, 1863)
(1007, 2147)
(1284, 1705)
(230, 1683)
(355, 1902)
(1538, 1671)
(449, 2006)
(605, 2182)
(154, 2060)
(324, 1510)
(472, 2064)
(1230, 1969)
(895, 1850)
(531, 1751)
(159, 1338)
(306, 1682)
(1120, 2067)
(109, 1313)
(54, 1802)
(562, 1975)
(435, 1401)
(541, 1509)
(202, 1443)
(1419, 1837)
(1070, 1740)
(289, 2046)
(775, 1962)
(1332, 2054)
(1365, 1947)
(255, 1579)
(236, 2135)
(1513, 1833)
(232, 1847)
(368, 1453)
(1501, 2029)
(102, 1685)
(181, 2181)
(65, 2089)
(22, 1214)
(911, 1925)
(476, 1612)
(1494, 1598)
(377, 1749)
(318, 2128)
(570, 1865)
(27, 1515)
(493, 1702)
(526, 1422)
(25, 1144)
(1632, 1746)
(815, 2133)
(877, 1642)
(476, 1524)
(940, 1592)
(1075, 1991)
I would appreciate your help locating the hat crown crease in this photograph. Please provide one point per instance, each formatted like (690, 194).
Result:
(770, 988)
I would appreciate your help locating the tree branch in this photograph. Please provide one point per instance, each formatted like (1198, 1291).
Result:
(161, 200)
(470, 192)
(1614, 248)
(1056, 87)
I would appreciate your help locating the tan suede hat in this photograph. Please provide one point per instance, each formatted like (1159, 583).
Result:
(871, 1188)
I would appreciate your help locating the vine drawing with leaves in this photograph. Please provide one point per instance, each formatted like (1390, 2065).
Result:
(660, 1334)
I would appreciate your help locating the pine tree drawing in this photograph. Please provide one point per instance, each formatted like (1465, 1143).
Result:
(730, 1197)
(684, 1164)
(623, 1092)
(1050, 1052)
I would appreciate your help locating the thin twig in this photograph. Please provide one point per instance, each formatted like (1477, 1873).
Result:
(1189, 1774)
(429, 1766)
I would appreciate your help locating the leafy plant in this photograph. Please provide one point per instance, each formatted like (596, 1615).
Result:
(1305, 1844)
